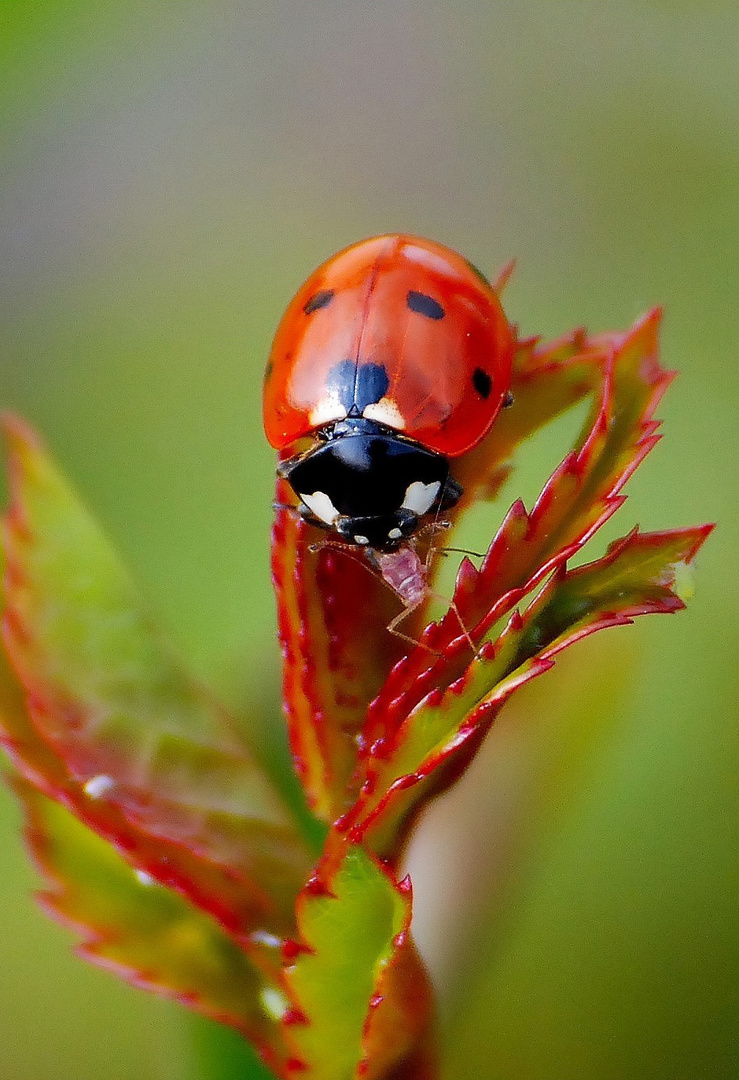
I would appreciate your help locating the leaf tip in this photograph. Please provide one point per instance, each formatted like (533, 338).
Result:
(292, 949)
(503, 277)
(17, 432)
(405, 886)
(22, 443)
(317, 888)
(295, 1065)
(293, 1017)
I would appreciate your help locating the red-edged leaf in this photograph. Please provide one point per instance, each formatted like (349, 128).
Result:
(360, 998)
(332, 614)
(333, 609)
(130, 741)
(210, 886)
(583, 492)
(637, 576)
(142, 931)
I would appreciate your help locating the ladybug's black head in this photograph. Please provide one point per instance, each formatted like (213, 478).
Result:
(369, 484)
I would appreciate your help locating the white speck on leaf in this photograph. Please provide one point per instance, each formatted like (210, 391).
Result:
(144, 878)
(97, 786)
(274, 1002)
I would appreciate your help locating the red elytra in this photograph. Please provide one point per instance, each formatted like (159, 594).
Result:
(396, 329)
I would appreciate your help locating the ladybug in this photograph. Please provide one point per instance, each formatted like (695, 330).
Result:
(391, 360)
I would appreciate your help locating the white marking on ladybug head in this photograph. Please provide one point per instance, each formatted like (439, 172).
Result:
(419, 497)
(321, 506)
(395, 534)
(358, 539)
(385, 412)
(327, 410)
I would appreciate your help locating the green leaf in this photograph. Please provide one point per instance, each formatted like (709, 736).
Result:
(142, 930)
(360, 996)
(211, 887)
(136, 735)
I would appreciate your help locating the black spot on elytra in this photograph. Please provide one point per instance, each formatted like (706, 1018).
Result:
(321, 299)
(268, 370)
(424, 305)
(482, 382)
(357, 385)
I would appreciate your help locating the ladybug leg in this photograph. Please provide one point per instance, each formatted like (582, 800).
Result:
(451, 493)
(336, 545)
(284, 468)
(302, 511)
(432, 527)
(429, 528)
(308, 516)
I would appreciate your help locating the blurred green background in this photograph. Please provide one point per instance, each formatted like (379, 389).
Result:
(170, 174)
